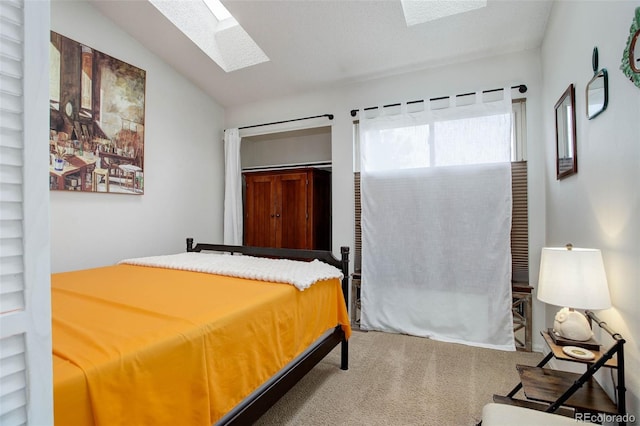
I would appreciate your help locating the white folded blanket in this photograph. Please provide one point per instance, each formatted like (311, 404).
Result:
(300, 274)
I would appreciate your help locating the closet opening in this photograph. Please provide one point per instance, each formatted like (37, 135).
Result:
(286, 179)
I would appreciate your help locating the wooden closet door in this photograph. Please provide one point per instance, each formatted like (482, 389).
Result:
(291, 227)
(260, 211)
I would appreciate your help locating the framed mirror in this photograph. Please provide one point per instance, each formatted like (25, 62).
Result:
(597, 91)
(634, 53)
(631, 56)
(566, 156)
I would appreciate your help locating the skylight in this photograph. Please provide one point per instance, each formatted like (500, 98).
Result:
(217, 8)
(420, 11)
(214, 30)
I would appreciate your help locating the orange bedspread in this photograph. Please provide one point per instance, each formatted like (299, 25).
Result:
(139, 345)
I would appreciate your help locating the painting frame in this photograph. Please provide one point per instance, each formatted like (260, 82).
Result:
(97, 120)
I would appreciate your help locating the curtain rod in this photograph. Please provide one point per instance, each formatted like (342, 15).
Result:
(329, 116)
(521, 88)
(316, 164)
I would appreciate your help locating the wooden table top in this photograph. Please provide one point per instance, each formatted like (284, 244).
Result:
(559, 354)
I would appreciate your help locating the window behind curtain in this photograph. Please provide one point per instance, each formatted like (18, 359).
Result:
(520, 218)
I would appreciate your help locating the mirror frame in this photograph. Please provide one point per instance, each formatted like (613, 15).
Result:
(633, 61)
(565, 112)
(604, 101)
(629, 65)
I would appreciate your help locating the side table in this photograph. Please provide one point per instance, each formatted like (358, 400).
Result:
(566, 393)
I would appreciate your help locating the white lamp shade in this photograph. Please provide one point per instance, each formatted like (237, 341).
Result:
(573, 278)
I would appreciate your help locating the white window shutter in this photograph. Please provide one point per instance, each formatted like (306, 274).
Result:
(25, 313)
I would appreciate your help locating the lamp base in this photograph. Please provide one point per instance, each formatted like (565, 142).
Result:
(591, 344)
(572, 324)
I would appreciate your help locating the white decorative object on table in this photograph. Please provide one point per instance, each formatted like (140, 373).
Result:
(578, 353)
(572, 325)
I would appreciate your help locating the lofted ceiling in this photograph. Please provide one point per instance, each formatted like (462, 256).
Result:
(318, 44)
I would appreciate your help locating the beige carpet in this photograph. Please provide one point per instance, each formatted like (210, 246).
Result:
(400, 380)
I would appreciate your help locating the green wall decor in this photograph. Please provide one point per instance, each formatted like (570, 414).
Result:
(631, 56)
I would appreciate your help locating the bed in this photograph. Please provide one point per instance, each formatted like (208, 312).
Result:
(166, 340)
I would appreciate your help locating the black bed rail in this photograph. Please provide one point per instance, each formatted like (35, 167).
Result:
(284, 253)
(281, 253)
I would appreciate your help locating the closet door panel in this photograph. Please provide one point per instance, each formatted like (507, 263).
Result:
(260, 211)
(291, 226)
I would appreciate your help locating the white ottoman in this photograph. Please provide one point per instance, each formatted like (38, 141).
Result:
(509, 415)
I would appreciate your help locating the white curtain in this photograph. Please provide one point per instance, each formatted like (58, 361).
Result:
(436, 222)
(232, 188)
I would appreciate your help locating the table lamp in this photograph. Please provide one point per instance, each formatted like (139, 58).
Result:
(575, 279)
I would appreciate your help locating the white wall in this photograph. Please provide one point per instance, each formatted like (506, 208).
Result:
(599, 206)
(183, 163)
(507, 70)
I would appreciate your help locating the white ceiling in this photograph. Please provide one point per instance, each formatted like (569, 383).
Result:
(317, 44)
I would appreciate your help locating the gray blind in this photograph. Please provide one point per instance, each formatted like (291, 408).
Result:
(519, 222)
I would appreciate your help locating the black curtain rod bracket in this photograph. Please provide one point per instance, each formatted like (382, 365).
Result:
(329, 116)
(522, 88)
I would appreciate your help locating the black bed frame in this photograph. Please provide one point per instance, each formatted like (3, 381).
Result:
(260, 401)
